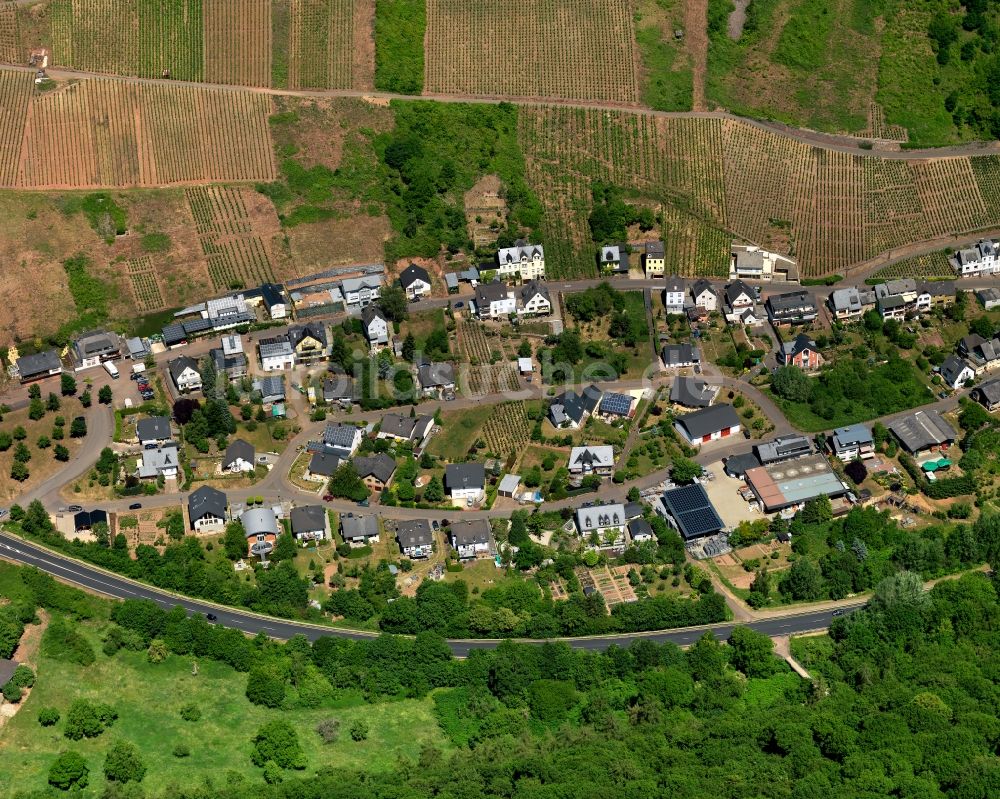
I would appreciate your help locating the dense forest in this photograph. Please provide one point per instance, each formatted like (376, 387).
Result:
(902, 702)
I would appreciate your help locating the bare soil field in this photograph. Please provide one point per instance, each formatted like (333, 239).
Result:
(571, 49)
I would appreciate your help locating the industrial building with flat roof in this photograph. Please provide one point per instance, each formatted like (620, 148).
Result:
(791, 483)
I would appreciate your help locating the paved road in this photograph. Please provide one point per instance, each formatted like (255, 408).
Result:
(83, 575)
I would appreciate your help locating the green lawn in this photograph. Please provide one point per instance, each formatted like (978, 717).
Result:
(459, 430)
(148, 699)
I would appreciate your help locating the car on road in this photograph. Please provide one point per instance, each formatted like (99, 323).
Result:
(135, 506)
(943, 395)
(211, 617)
(328, 497)
(75, 508)
(839, 612)
(459, 304)
(363, 503)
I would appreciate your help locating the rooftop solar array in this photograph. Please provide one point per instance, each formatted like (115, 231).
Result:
(692, 511)
(618, 404)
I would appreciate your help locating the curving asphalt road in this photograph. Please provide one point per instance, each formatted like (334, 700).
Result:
(72, 571)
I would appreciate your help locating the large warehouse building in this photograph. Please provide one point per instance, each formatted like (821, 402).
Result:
(791, 483)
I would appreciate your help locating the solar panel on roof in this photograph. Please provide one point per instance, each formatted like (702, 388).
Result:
(619, 404)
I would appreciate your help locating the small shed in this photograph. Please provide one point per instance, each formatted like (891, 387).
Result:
(525, 366)
(509, 485)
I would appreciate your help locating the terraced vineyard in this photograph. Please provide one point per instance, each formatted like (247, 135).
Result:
(507, 430)
(572, 49)
(238, 42)
(106, 133)
(145, 287)
(236, 256)
(934, 264)
(716, 179)
(10, 50)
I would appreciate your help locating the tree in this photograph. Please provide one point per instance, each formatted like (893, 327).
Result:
(19, 471)
(277, 742)
(67, 384)
(34, 391)
(392, 302)
(434, 492)
(791, 383)
(359, 730)
(901, 590)
(235, 541)
(751, 652)
(36, 410)
(85, 399)
(20, 433)
(345, 484)
(409, 347)
(633, 494)
(123, 763)
(684, 470)
(69, 771)
(78, 427)
(44, 442)
(803, 581)
(6, 440)
(105, 395)
(21, 453)
(61, 453)
(265, 686)
(184, 409)
(816, 510)
(86, 719)
(52, 403)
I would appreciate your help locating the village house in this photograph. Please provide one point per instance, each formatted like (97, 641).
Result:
(533, 299)
(708, 424)
(654, 263)
(791, 308)
(783, 448)
(982, 258)
(739, 296)
(848, 304)
(472, 538)
(229, 359)
(522, 262)
(988, 394)
(342, 439)
(692, 393)
(705, 296)
(138, 348)
(159, 461)
(338, 386)
(225, 313)
(416, 282)
(955, 372)
(603, 526)
(598, 460)
(465, 482)
(375, 327)
(310, 523)
(679, 356)
(38, 366)
(398, 427)
(801, 352)
(375, 471)
(616, 406)
(853, 441)
(570, 410)
(321, 466)
(640, 531)
(494, 301)
(207, 510)
(271, 389)
(359, 531)
(612, 259)
(436, 379)
(309, 342)
(360, 292)
(989, 297)
(184, 372)
(153, 430)
(748, 262)
(239, 457)
(415, 538)
(674, 292)
(276, 354)
(94, 348)
(262, 530)
(897, 299)
(271, 296)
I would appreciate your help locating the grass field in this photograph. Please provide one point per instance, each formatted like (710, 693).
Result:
(148, 698)
(459, 430)
(586, 55)
(665, 76)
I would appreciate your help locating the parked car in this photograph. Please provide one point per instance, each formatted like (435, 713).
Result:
(459, 304)
(135, 506)
(328, 497)
(363, 503)
(75, 508)
(435, 524)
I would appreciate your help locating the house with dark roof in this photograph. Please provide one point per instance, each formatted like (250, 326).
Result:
(783, 448)
(229, 359)
(677, 356)
(375, 327)
(791, 308)
(398, 427)
(38, 366)
(592, 460)
(271, 389)
(375, 470)
(343, 439)
(359, 531)
(705, 296)
(153, 430)
(674, 292)
(923, 430)
(207, 510)
(338, 386)
(988, 394)
(465, 482)
(614, 405)
(739, 295)
(84, 521)
(533, 299)
(239, 457)
(309, 342)
(159, 461)
(654, 262)
(955, 372)
(613, 259)
(801, 352)
(982, 258)
(570, 410)
(93, 348)
(472, 538)
(310, 523)
(436, 378)
(322, 465)
(691, 512)
(415, 538)
(415, 281)
(708, 424)
(184, 372)
(494, 300)
(692, 392)
(640, 531)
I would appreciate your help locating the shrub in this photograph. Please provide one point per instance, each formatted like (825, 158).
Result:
(359, 730)
(62, 642)
(69, 771)
(182, 750)
(48, 716)
(123, 763)
(11, 692)
(328, 730)
(190, 712)
(23, 677)
(88, 720)
(278, 743)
